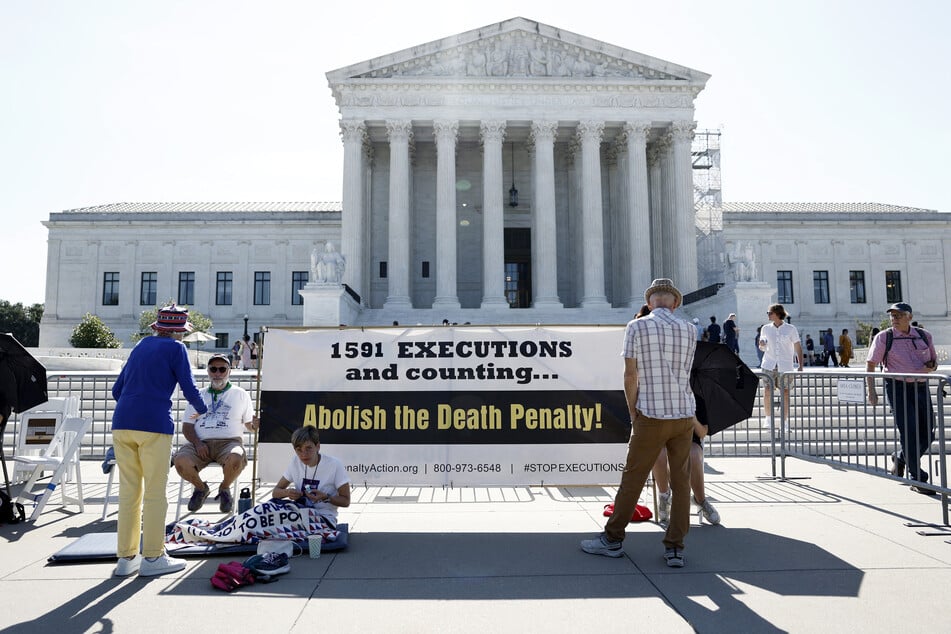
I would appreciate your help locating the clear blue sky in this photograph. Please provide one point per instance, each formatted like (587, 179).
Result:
(226, 100)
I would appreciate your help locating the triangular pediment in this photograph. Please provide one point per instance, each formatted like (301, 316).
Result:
(518, 49)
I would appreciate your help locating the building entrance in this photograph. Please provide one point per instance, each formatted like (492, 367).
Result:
(518, 267)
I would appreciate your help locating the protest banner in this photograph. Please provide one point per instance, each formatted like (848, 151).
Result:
(460, 406)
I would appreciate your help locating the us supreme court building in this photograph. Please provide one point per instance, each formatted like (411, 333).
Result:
(516, 173)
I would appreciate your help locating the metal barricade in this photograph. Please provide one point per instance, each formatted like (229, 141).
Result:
(96, 403)
(754, 437)
(831, 421)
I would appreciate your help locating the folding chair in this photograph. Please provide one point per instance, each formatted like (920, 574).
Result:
(37, 427)
(61, 454)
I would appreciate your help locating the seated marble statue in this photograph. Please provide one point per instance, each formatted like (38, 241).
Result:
(327, 267)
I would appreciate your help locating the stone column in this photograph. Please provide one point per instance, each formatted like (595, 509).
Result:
(655, 155)
(638, 210)
(671, 239)
(399, 133)
(545, 253)
(353, 216)
(592, 230)
(493, 226)
(446, 294)
(684, 214)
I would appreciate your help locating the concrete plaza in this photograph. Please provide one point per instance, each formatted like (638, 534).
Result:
(826, 550)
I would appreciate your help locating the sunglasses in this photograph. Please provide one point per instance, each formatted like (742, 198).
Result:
(215, 369)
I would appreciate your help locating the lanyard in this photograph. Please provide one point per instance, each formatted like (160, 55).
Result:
(215, 394)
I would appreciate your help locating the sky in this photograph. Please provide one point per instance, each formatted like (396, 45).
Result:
(109, 101)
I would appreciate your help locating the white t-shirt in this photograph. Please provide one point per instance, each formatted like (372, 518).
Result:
(780, 347)
(328, 476)
(228, 411)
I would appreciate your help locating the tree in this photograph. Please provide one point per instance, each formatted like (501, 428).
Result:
(197, 320)
(864, 331)
(23, 322)
(93, 333)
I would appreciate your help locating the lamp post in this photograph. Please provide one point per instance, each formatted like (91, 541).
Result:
(245, 325)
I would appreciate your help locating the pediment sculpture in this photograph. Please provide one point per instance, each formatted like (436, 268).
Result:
(518, 54)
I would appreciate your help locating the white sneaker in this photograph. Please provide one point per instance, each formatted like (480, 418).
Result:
(663, 508)
(127, 567)
(767, 422)
(707, 511)
(160, 565)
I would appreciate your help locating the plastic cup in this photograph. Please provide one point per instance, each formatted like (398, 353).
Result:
(313, 545)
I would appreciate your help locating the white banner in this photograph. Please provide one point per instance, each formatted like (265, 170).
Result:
(449, 405)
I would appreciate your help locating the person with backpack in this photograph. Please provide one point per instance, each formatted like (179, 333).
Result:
(248, 353)
(828, 348)
(903, 350)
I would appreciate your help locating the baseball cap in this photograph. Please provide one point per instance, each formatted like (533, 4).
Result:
(900, 307)
(220, 357)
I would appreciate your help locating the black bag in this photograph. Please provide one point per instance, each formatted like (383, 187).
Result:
(10, 512)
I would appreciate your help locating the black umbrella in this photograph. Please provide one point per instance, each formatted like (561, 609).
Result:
(724, 386)
(22, 377)
(22, 385)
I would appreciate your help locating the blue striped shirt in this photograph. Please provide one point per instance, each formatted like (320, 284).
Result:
(663, 346)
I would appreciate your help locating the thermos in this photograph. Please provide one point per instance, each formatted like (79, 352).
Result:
(244, 501)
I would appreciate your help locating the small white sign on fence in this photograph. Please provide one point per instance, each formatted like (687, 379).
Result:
(851, 390)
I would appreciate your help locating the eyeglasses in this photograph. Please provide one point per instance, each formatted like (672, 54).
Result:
(768, 313)
(215, 369)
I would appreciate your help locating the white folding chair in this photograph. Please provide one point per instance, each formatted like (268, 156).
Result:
(59, 456)
(37, 427)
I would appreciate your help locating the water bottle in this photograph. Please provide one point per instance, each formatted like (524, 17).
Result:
(244, 501)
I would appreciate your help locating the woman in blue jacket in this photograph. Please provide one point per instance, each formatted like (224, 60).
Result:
(142, 429)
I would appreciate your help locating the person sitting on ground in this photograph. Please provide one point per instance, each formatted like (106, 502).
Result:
(662, 478)
(216, 436)
(314, 479)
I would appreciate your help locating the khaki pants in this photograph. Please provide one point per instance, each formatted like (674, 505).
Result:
(648, 436)
(143, 461)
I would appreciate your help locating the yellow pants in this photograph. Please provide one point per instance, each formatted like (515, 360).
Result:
(143, 459)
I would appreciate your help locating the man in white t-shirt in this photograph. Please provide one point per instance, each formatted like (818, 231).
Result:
(216, 435)
(779, 342)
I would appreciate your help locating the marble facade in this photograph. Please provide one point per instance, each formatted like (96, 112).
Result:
(595, 138)
(434, 136)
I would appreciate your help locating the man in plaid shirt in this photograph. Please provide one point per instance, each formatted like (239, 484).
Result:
(658, 354)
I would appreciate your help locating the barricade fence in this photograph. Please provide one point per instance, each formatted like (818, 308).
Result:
(831, 420)
(828, 420)
(751, 438)
(97, 404)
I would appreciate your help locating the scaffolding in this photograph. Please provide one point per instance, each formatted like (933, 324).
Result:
(708, 207)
